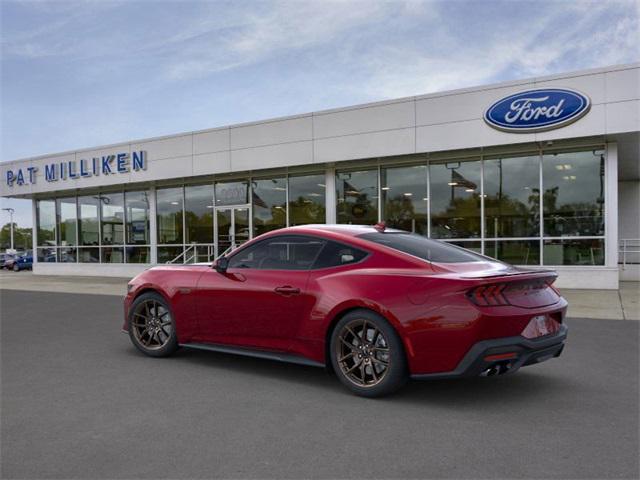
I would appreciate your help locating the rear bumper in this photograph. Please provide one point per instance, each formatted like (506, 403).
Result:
(506, 355)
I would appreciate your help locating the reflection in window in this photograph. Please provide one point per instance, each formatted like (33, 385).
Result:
(137, 254)
(169, 207)
(47, 254)
(307, 199)
(232, 193)
(89, 255)
(112, 255)
(517, 252)
(455, 200)
(269, 199)
(88, 221)
(574, 252)
(167, 254)
(137, 218)
(198, 213)
(512, 197)
(473, 245)
(46, 222)
(67, 213)
(112, 217)
(573, 198)
(405, 199)
(357, 197)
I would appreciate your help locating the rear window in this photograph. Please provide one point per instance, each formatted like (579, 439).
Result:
(421, 247)
(335, 254)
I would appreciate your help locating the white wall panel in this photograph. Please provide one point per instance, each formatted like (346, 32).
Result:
(166, 169)
(366, 145)
(272, 156)
(271, 133)
(212, 141)
(361, 120)
(166, 147)
(623, 85)
(209, 163)
(456, 108)
(623, 117)
(592, 85)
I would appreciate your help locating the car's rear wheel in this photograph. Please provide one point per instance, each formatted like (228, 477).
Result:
(16, 268)
(151, 325)
(367, 354)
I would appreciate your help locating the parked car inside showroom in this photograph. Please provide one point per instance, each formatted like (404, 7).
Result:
(377, 306)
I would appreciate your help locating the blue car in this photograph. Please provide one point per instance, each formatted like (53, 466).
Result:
(23, 262)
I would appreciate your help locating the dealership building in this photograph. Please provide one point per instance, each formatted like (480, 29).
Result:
(541, 172)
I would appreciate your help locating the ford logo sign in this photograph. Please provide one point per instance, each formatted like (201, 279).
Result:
(537, 110)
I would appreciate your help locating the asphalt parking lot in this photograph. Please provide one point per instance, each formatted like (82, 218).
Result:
(78, 401)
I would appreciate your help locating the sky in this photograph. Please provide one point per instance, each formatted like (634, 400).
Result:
(87, 73)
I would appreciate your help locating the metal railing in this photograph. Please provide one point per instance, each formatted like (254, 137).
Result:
(629, 251)
(190, 253)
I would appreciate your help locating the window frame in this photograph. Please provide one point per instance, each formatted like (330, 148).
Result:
(247, 245)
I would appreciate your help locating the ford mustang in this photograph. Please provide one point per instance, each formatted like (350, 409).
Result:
(375, 305)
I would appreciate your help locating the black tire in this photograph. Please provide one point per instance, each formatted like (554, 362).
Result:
(16, 268)
(382, 346)
(159, 311)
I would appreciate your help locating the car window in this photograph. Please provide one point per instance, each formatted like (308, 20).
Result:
(335, 254)
(421, 247)
(279, 253)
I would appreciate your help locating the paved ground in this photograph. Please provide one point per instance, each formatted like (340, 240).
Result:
(623, 304)
(79, 402)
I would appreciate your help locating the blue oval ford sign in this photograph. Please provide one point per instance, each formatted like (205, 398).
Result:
(537, 110)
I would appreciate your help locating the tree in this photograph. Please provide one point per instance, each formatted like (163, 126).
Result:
(21, 237)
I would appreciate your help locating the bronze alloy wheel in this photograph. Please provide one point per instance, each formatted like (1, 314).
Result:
(152, 324)
(362, 353)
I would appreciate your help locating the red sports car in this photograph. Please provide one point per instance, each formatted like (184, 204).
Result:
(375, 305)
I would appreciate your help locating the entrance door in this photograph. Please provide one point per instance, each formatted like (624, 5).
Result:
(232, 228)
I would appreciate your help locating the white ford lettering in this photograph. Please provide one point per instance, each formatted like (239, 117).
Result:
(523, 109)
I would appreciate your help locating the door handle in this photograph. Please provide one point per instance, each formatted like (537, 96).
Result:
(287, 290)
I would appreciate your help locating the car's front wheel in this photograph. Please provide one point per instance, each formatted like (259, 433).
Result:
(151, 325)
(367, 354)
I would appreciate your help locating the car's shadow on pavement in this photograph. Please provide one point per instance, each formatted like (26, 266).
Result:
(454, 393)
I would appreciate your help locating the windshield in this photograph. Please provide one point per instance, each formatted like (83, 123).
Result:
(421, 247)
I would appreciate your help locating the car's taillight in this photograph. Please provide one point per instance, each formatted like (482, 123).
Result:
(489, 295)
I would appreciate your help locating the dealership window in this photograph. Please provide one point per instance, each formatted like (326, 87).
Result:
(46, 230)
(574, 251)
(517, 252)
(455, 199)
(269, 201)
(307, 199)
(198, 213)
(573, 198)
(232, 193)
(169, 208)
(112, 227)
(512, 196)
(137, 227)
(357, 197)
(67, 215)
(405, 200)
(88, 229)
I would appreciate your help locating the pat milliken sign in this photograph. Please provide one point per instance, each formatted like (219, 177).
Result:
(105, 165)
(537, 110)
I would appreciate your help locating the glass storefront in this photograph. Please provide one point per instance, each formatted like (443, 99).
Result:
(405, 198)
(491, 204)
(357, 197)
(307, 199)
(269, 201)
(455, 199)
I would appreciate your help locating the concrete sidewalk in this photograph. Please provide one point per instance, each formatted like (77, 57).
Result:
(623, 304)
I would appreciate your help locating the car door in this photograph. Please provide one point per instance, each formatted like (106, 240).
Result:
(261, 300)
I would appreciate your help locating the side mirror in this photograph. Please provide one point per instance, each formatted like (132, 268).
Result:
(221, 264)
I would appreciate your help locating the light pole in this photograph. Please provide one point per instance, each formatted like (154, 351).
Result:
(11, 212)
